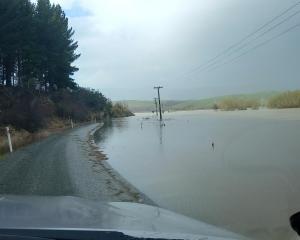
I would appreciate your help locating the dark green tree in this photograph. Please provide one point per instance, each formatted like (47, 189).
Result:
(55, 46)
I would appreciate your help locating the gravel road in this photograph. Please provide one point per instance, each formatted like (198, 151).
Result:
(64, 164)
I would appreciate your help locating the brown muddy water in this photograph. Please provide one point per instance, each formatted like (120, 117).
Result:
(248, 183)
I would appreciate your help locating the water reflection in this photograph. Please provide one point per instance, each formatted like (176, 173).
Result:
(108, 128)
(103, 133)
(147, 123)
(161, 133)
(120, 123)
(161, 128)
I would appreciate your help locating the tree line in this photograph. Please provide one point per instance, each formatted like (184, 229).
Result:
(37, 48)
(37, 54)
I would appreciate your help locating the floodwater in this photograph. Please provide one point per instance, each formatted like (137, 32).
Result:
(248, 183)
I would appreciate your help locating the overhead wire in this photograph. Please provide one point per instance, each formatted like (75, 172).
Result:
(233, 48)
(256, 38)
(256, 47)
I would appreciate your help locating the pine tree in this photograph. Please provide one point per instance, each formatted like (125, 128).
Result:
(56, 49)
(36, 45)
(15, 38)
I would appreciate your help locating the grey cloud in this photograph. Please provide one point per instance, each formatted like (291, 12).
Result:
(127, 61)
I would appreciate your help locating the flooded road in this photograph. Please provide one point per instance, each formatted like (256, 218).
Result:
(248, 183)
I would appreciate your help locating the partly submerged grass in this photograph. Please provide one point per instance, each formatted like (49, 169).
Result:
(290, 99)
(230, 104)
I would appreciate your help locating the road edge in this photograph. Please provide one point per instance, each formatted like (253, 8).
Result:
(101, 156)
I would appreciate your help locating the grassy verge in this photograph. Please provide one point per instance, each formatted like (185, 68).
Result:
(22, 137)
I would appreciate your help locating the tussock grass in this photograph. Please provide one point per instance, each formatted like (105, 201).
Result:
(231, 103)
(290, 99)
(120, 109)
(22, 137)
(18, 138)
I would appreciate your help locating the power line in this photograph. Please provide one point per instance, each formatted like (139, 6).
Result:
(233, 46)
(248, 43)
(248, 36)
(256, 47)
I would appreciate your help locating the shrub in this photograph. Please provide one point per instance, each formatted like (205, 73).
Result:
(23, 110)
(32, 110)
(120, 110)
(215, 106)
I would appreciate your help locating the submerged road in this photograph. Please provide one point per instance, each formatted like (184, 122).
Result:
(64, 164)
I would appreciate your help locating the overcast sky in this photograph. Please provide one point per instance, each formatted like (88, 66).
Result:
(128, 46)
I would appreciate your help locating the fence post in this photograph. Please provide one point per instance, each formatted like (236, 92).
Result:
(9, 139)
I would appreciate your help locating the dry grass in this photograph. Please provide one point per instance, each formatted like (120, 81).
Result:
(230, 104)
(22, 138)
(290, 99)
(121, 110)
(18, 138)
(56, 124)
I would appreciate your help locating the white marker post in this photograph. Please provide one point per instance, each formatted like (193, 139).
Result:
(9, 139)
(72, 125)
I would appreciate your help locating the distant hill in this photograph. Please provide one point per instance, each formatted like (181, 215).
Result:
(207, 103)
(148, 106)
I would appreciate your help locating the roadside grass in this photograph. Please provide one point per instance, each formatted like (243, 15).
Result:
(18, 138)
(22, 137)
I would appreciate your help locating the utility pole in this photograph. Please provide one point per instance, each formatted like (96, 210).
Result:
(158, 93)
(155, 100)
